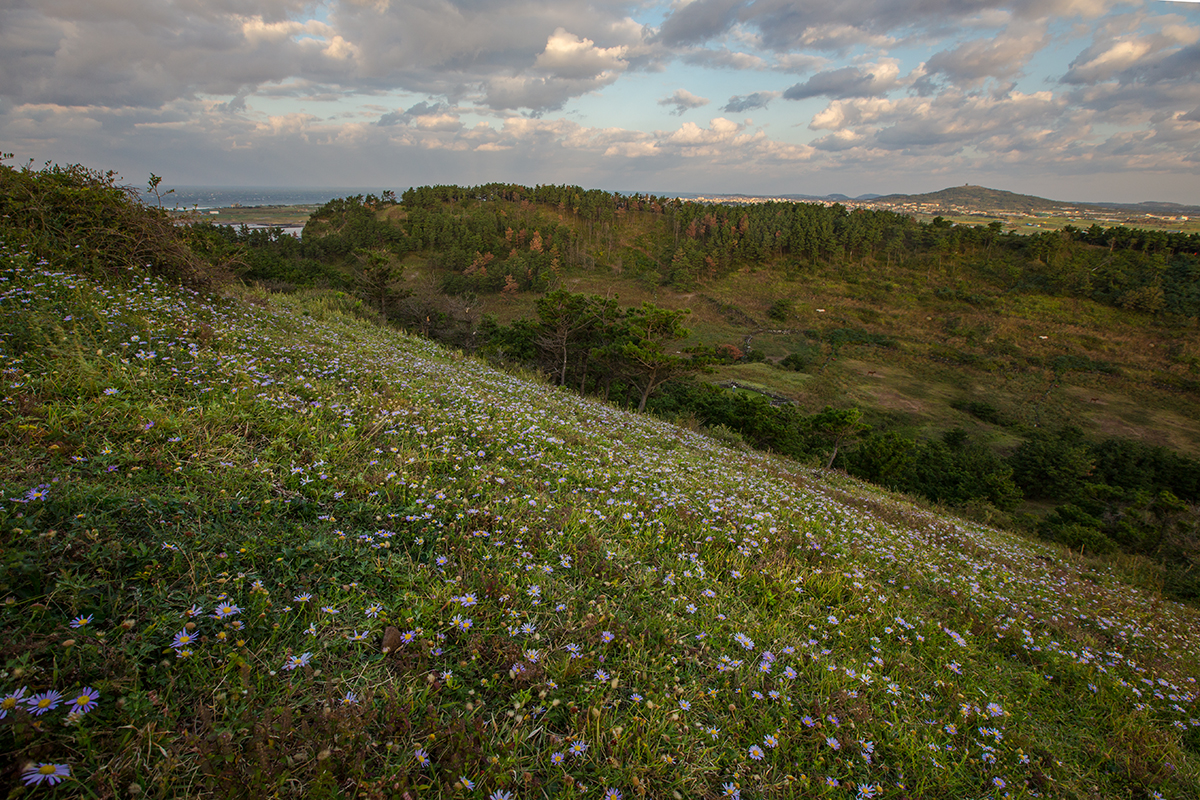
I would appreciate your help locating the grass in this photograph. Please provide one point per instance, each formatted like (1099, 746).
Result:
(400, 573)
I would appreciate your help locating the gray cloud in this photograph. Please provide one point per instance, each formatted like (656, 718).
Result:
(421, 109)
(739, 104)
(848, 82)
(682, 100)
(974, 62)
(700, 21)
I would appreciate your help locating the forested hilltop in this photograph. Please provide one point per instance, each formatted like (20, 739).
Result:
(262, 543)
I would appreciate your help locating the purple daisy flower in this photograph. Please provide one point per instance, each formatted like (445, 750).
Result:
(45, 773)
(41, 703)
(85, 701)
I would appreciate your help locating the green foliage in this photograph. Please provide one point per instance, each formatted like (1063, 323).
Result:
(1052, 465)
(82, 219)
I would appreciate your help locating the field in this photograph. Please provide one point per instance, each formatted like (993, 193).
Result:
(262, 545)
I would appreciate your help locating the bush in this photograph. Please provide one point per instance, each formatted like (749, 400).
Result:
(82, 220)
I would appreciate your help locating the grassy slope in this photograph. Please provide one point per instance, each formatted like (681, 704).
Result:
(624, 582)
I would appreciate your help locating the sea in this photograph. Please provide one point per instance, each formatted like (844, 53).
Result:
(206, 197)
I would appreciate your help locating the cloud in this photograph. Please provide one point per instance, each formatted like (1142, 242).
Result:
(683, 100)
(699, 21)
(971, 63)
(421, 109)
(571, 57)
(1119, 52)
(870, 81)
(741, 104)
(723, 58)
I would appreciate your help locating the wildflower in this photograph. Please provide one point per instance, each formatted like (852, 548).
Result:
(995, 710)
(373, 610)
(831, 782)
(998, 782)
(578, 748)
(713, 731)
(183, 652)
(463, 624)
(612, 794)
(607, 636)
(756, 752)
(557, 758)
(80, 622)
(226, 610)
(85, 701)
(41, 703)
(685, 705)
(311, 630)
(357, 636)
(182, 639)
(834, 743)
(601, 675)
(45, 773)
(467, 782)
(807, 721)
(422, 757)
(298, 661)
(195, 611)
(9, 701)
(770, 740)
(744, 640)
(731, 791)
(329, 610)
(302, 598)
(349, 699)
(408, 637)
(500, 794)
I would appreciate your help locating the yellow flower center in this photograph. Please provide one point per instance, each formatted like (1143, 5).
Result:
(47, 769)
(44, 702)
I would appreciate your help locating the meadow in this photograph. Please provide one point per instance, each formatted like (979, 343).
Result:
(260, 545)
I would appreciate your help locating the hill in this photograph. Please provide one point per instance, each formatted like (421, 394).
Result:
(998, 201)
(978, 198)
(263, 544)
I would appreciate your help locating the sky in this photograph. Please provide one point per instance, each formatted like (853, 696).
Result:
(1068, 99)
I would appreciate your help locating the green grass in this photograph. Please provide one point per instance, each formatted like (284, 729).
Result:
(624, 581)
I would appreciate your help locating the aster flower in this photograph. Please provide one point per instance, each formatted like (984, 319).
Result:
(41, 703)
(182, 639)
(45, 773)
(225, 610)
(81, 621)
(298, 661)
(557, 758)
(9, 701)
(84, 701)
(373, 610)
(756, 752)
(358, 636)
(304, 597)
(422, 757)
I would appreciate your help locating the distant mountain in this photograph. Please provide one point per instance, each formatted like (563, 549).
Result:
(981, 198)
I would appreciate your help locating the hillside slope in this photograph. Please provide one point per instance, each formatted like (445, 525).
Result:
(292, 552)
